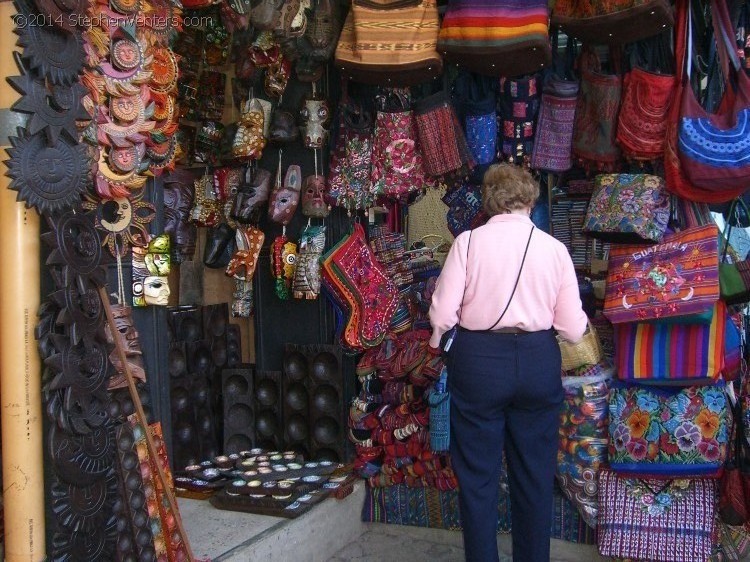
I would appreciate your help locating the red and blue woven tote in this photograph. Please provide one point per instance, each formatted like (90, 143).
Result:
(666, 520)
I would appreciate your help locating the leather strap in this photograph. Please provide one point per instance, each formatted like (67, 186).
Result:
(518, 278)
(523, 261)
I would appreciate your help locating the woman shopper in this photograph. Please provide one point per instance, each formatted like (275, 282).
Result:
(505, 286)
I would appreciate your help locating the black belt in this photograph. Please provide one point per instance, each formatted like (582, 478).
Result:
(497, 331)
(509, 331)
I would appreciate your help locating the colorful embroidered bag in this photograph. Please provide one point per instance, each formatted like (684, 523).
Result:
(499, 38)
(734, 276)
(518, 107)
(583, 440)
(734, 485)
(595, 126)
(667, 520)
(668, 431)
(732, 545)
(612, 21)
(386, 43)
(648, 92)
(677, 277)
(351, 159)
(351, 271)
(397, 166)
(474, 97)
(464, 207)
(441, 137)
(675, 173)
(628, 208)
(554, 131)
(714, 149)
(664, 353)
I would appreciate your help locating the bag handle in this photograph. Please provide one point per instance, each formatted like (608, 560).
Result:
(518, 278)
(510, 299)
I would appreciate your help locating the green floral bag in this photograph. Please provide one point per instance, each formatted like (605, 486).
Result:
(628, 208)
(659, 431)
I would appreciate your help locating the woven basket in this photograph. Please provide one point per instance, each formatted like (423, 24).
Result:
(439, 246)
(588, 351)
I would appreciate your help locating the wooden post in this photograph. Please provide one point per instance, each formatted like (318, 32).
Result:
(20, 366)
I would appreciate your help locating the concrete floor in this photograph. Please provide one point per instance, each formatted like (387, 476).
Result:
(393, 542)
(332, 532)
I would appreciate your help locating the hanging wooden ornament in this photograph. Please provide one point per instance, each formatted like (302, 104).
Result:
(129, 64)
(166, 22)
(164, 156)
(54, 110)
(283, 261)
(74, 243)
(110, 133)
(49, 51)
(48, 177)
(285, 196)
(126, 7)
(109, 184)
(306, 283)
(68, 15)
(164, 69)
(313, 194)
(151, 267)
(126, 159)
(120, 219)
(126, 108)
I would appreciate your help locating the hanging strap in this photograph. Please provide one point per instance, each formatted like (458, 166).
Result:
(120, 277)
(518, 278)
(461, 307)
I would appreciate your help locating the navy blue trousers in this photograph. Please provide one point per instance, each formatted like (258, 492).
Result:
(506, 392)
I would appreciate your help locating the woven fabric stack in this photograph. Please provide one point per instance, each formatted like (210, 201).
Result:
(389, 419)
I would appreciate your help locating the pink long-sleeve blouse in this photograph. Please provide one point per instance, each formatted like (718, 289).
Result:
(547, 294)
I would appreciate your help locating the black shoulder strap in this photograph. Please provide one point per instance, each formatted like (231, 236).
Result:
(526, 251)
(460, 308)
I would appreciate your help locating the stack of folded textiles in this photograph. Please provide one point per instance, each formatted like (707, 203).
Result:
(388, 421)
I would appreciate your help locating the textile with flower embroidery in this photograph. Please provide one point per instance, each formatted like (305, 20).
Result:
(657, 522)
(662, 431)
(678, 277)
(357, 282)
(655, 497)
(349, 175)
(628, 208)
(397, 166)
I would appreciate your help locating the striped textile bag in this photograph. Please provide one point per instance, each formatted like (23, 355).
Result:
(665, 353)
(496, 37)
(658, 520)
(678, 277)
(612, 21)
(392, 43)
